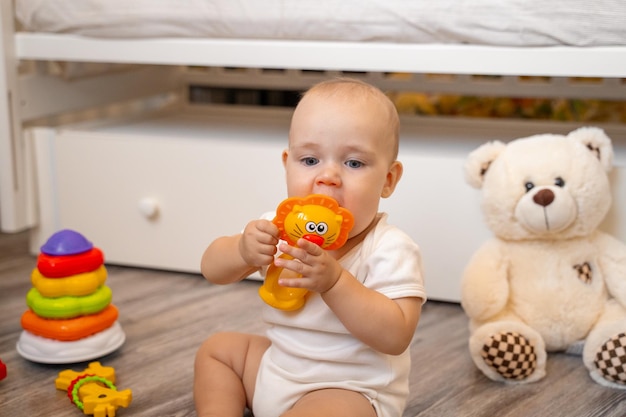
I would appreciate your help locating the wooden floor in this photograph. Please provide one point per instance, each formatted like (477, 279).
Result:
(167, 315)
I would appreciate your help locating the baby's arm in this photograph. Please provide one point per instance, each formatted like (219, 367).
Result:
(231, 258)
(384, 324)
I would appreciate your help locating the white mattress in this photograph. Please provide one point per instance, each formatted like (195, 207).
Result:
(487, 22)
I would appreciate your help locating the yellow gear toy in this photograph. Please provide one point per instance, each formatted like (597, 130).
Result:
(93, 390)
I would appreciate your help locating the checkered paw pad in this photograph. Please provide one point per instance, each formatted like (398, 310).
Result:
(510, 354)
(611, 359)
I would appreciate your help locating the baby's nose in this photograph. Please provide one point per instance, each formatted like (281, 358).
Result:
(329, 176)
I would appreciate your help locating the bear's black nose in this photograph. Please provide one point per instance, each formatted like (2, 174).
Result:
(544, 197)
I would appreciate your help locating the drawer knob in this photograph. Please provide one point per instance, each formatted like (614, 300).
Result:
(149, 207)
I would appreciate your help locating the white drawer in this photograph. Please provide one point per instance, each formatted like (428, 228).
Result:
(202, 178)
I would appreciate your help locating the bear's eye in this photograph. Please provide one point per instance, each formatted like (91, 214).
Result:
(529, 186)
(559, 182)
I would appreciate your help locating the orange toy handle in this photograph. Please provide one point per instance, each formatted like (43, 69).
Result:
(282, 298)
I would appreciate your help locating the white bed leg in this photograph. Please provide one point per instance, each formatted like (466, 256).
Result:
(15, 212)
(42, 140)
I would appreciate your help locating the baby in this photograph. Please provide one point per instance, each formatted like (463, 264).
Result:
(346, 352)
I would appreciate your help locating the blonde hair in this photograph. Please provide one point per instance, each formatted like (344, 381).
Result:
(354, 87)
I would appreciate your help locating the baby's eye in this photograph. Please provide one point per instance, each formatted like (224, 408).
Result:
(309, 161)
(353, 163)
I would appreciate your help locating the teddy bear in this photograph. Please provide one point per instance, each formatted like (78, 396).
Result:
(548, 280)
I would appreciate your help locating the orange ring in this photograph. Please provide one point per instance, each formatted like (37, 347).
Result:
(69, 329)
(52, 266)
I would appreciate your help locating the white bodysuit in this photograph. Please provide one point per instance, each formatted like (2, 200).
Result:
(311, 349)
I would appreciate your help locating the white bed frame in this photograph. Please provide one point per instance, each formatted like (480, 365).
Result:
(166, 66)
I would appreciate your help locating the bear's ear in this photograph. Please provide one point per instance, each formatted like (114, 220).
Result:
(597, 142)
(479, 160)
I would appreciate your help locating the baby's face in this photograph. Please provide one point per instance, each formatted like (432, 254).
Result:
(344, 149)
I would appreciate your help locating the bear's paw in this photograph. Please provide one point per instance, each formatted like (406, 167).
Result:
(510, 354)
(610, 359)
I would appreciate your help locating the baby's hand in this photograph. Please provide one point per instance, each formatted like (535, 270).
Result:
(257, 245)
(319, 270)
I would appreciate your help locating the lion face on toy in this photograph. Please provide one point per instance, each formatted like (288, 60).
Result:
(316, 218)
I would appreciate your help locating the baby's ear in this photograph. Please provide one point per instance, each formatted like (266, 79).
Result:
(597, 142)
(479, 160)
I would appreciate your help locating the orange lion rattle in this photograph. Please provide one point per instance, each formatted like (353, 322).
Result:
(316, 218)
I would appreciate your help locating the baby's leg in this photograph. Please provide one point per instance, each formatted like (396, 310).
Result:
(332, 403)
(225, 373)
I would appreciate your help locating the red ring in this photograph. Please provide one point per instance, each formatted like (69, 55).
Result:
(62, 266)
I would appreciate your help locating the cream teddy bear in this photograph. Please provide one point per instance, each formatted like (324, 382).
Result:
(549, 280)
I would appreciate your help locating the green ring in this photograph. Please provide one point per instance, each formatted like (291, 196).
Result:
(68, 307)
(83, 381)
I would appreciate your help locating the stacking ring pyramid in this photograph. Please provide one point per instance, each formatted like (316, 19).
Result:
(70, 317)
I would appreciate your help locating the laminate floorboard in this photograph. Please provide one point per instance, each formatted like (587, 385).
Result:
(166, 316)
